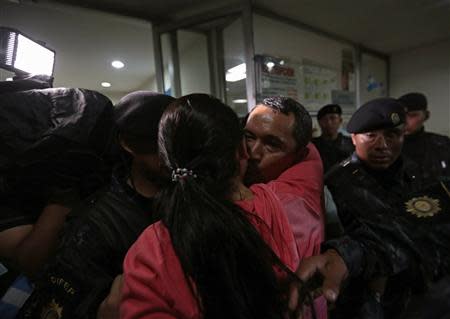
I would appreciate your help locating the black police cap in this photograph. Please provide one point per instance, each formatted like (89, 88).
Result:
(138, 113)
(414, 101)
(381, 113)
(329, 109)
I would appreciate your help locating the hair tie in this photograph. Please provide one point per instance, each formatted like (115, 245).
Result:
(182, 173)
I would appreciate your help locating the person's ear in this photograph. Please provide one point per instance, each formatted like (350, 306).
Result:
(125, 146)
(427, 115)
(354, 139)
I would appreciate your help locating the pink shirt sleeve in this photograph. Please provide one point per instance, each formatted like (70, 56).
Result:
(154, 285)
(272, 224)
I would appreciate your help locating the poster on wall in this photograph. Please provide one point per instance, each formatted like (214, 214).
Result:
(275, 77)
(316, 84)
(307, 82)
(373, 77)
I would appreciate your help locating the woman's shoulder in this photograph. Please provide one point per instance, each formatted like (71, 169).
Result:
(155, 237)
(152, 271)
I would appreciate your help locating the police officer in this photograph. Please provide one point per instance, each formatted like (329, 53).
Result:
(333, 146)
(397, 238)
(429, 150)
(102, 229)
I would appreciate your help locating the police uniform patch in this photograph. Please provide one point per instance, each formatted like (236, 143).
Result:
(423, 206)
(395, 118)
(52, 311)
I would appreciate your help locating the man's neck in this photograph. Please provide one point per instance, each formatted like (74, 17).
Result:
(392, 172)
(141, 184)
(416, 132)
(330, 136)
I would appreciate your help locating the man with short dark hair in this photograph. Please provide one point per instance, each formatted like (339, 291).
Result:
(332, 145)
(396, 242)
(100, 232)
(278, 133)
(429, 150)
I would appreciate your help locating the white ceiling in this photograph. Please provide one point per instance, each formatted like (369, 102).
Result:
(87, 40)
(384, 25)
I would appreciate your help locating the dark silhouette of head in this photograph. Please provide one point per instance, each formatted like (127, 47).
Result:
(137, 118)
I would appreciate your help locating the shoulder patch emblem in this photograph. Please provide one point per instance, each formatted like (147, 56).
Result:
(423, 206)
(52, 311)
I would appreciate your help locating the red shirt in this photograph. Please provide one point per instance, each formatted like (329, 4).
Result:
(291, 208)
(154, 282)
(300, 189)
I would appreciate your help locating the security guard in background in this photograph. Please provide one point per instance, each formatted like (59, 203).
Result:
(332, 145)
(397, 233)
(429, 150)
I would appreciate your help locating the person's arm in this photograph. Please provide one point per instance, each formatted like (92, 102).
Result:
(29, 244)
(11, 238)
(300, 188)
(109, 308)
(374, 244)
(153, 284)
(37, 242)
(345, 258)
(333, 269)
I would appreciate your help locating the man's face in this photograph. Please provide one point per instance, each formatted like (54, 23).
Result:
(271, 144)
(330, 123)
(415, 120)
(379, 149)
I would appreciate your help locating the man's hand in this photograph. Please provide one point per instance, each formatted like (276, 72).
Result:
(333, 269)
(109, 308)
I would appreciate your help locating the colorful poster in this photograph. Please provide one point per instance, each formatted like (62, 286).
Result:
(310, 84)
(317, 83)
(373, 77)
(276, 77)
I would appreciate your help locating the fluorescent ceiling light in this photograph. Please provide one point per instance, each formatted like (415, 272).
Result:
(117, 64)
(240, 101)
(236, 73)
(8, 79)
(21, 54)
(106, 84)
